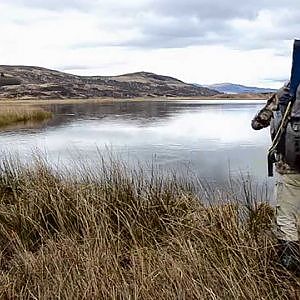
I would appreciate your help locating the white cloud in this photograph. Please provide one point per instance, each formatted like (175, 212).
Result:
(197, 41)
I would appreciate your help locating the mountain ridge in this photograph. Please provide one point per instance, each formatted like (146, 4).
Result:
(43, 83)
(232, 88)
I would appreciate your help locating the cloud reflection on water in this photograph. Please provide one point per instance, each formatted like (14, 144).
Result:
(207, 137)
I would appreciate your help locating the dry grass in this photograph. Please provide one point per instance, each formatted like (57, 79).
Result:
(22, 114)
(114, 234)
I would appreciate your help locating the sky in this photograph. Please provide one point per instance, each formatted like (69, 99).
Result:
(197, 41)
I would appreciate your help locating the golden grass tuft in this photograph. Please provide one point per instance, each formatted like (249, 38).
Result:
(115, 234)
(21, 114)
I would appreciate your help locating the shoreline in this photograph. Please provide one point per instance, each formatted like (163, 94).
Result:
(137, 99)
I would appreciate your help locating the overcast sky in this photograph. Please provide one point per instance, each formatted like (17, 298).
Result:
(200, 41)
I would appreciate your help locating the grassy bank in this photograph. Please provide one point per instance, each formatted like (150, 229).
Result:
(114, 234)
(21, 114)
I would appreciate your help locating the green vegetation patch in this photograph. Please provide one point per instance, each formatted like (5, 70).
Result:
(8, 80)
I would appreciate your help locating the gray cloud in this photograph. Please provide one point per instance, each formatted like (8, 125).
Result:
(175, 23)
(276, 79)
(207, 9)
(178, 23)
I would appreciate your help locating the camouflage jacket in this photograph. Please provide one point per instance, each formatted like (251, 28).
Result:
(274, 108)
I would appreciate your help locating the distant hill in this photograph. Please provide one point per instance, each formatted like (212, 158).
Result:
(42, 83)
(230, 88)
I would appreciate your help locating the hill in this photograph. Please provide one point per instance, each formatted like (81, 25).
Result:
(231, 88)
(42, 83)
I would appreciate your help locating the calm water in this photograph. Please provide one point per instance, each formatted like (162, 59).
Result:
(210, 139)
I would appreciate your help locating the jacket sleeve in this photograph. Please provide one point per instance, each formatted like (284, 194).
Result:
(278, 101)
(264, 116)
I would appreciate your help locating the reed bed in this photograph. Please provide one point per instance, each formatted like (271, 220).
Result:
(21, 114)
(119, 234)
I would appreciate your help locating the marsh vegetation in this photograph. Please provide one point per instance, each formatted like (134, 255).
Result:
(10, 115)
(111, 233)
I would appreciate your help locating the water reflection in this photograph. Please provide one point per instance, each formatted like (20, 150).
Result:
(209, 138)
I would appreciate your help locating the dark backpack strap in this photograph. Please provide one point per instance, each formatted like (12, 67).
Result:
(295, 74)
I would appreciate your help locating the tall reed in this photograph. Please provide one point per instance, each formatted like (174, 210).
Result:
(18, 114)
(112, 233)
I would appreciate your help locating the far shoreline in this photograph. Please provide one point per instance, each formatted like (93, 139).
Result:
(32, 101)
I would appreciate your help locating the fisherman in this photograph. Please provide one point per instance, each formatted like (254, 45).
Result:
(282, 113)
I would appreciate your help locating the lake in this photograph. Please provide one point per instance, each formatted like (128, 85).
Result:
(208, 138)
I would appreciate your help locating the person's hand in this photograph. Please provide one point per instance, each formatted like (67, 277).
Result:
(262, 119)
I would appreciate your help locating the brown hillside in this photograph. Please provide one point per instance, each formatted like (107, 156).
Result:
(37, 82)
